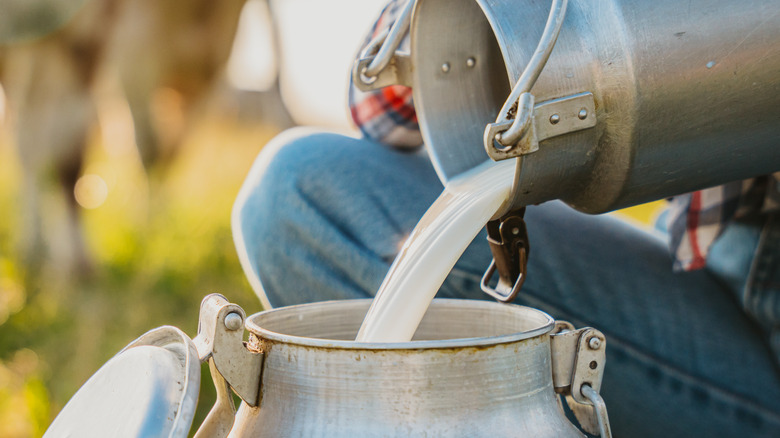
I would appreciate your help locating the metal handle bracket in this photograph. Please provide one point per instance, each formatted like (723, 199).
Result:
(521, 125)
(545, 120)
(578, 358)
(397, 72)
(220, 338)
(381, 64)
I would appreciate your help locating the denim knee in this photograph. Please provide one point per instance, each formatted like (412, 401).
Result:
(286, 166)
(317, 221)
(269, 201)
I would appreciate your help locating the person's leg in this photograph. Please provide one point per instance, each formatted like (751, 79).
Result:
(328, 214)
(682, 359)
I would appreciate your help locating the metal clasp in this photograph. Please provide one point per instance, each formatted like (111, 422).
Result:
(381, 64)
(541, 121)
(578, 358)
(521, 125)
(220, 340)
(508, 239)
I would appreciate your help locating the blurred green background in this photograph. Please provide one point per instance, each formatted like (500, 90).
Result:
(157, 245)
(126, 130)
(123, 144)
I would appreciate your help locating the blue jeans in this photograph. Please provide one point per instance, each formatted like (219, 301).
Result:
(688, 353)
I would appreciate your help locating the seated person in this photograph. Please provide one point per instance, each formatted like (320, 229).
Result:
(692, 351)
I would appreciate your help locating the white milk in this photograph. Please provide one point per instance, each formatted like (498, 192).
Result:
(450, 224)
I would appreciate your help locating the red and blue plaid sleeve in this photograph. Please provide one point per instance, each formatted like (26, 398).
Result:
(386, 115)
(697, 219)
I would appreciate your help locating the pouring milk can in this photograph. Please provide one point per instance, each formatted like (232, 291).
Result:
(603, 104)
(474, 369)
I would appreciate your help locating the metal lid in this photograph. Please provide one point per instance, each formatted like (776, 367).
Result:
(149, 389)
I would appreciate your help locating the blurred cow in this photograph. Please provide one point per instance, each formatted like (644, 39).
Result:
(178, 47)
(49, 81)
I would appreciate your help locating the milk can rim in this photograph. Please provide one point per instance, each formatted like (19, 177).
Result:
(270, 335)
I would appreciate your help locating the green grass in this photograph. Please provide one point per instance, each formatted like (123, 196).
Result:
(158, 244)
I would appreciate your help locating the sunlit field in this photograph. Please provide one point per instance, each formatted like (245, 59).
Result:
(159, 244)
(158, 239)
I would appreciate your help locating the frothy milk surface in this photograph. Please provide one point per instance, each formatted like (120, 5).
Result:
(430, 252)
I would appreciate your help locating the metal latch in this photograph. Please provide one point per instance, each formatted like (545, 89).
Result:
(508, 240)
(220, 340)
(578, 358)
(547, 119)
(521, 124)
(397, 72)
(381, 64)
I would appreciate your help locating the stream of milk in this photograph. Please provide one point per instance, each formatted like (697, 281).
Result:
(467, 203)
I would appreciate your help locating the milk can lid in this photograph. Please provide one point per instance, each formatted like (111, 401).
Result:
(149, 389)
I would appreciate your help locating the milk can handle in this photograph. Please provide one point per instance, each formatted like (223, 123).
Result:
(600, 408)
(389, 43)
(577, 361)
(520, 92)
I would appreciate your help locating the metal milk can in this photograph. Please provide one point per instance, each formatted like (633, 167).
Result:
(474, 369)
(603, 104)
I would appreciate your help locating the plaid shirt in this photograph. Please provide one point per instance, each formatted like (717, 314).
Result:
(695, 219)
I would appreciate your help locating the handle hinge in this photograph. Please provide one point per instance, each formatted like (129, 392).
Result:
(578, 358)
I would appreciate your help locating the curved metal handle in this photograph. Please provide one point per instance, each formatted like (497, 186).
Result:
(220, 419)
(397, 32)
(507, 133)
(382, 48)
(605, 431)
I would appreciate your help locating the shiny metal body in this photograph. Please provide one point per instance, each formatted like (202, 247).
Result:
(149, 389)
(475, 368)
(686, 95)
